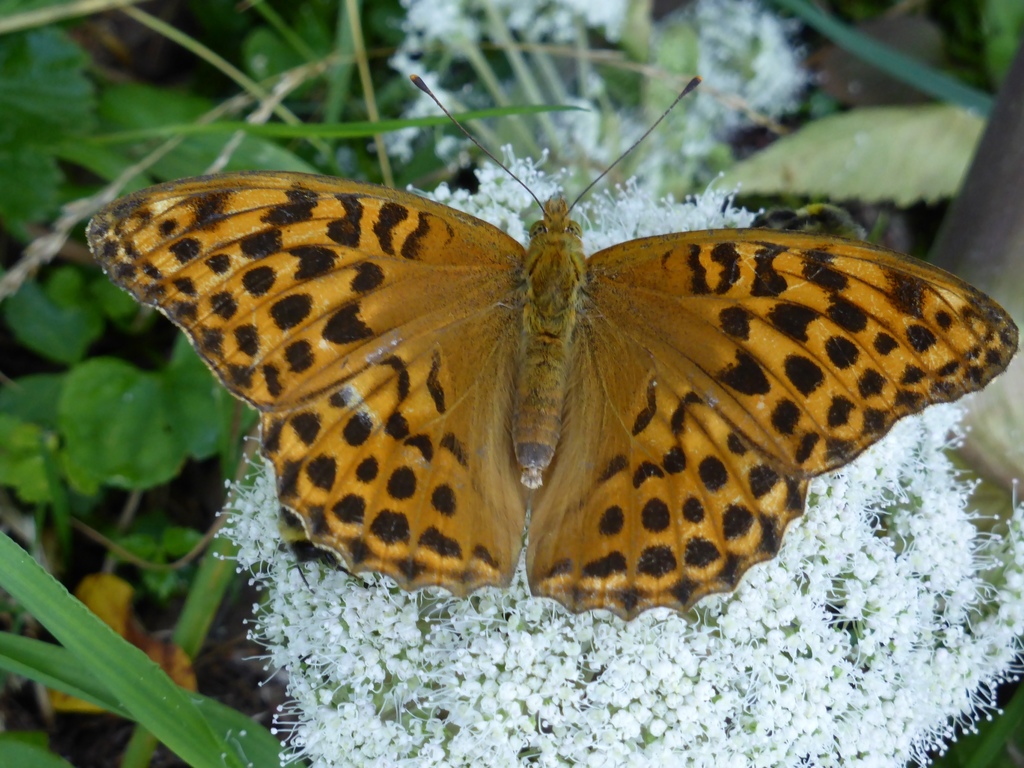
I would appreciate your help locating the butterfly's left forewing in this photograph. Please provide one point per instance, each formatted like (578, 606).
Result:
(716, 374)
(344, 312)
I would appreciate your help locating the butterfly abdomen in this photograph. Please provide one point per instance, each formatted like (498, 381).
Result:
(555, 265)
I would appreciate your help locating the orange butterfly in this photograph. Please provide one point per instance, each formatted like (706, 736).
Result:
(423, 379)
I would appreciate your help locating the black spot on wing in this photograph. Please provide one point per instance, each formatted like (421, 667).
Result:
(745, 375)
(767, 282)
(259, 245)
(346, 230)
(390, 216)
(646, 415)
(792, 319)
(299, 208)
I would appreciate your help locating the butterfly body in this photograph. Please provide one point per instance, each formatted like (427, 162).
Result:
(418, 372)
(555, 268)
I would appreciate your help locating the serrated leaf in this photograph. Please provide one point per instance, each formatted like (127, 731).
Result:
(133, 429)
(874, 154)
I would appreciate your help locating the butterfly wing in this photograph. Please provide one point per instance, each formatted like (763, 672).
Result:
(343, 312)
(715, 374)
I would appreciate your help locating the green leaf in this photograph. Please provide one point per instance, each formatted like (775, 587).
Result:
(55, 668)
(146, 112)
(892, 62)
(138, 106)
(266, 54)
(16, 752)
(133, 429)
(900, 154)
(197, 404)
(58, 320)
(178, 541)
(22, 465)
(33, 398)
(1003, 24)
(116, 428)
(142, 689)
(44, 94)
(161, 586)
(23, 202)
(44, 98)
(115, 303)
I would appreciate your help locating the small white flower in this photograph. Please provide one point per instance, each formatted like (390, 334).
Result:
(886, 616)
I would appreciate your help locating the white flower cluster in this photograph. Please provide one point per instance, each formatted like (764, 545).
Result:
(745, 57)
(430, 23)
(886, 617)
(740, 49)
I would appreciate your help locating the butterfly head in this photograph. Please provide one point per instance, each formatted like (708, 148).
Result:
(556, 222)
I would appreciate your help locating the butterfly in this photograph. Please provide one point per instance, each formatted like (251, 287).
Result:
(423, 380)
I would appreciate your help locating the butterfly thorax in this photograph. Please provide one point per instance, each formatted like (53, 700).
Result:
(555, 266)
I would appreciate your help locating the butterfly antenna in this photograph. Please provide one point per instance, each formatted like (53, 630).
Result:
(418, 82)
(689, 87)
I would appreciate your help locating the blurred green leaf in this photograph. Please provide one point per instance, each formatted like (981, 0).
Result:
(22, 464)
(44, 98)
(127, 674)
(116, 428)
(900, 154)
(133, 429)
(33, 398)
(23, 202)
(115, 303)
(57, 320)
(136, 106)
(902, 67)
(150, 110)
(197, 404)
(266, 54)
(18, 752)
(141, 544)
(178, 541)
(44, 94)
(1003, 24)
(163, 585)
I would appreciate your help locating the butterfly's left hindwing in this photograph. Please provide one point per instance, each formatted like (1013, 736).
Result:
(716, 373)
(344, 313)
